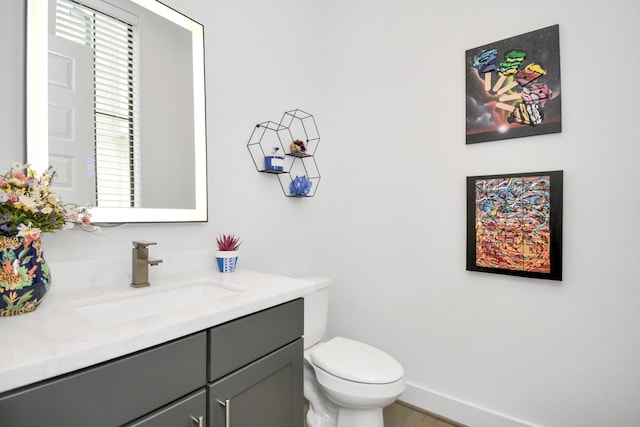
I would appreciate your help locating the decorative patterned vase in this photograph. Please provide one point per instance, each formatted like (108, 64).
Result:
(24, 275)
(227, 261)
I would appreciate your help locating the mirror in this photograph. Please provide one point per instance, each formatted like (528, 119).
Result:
(129, 141)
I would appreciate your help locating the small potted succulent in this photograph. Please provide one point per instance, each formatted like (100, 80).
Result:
(227, 253)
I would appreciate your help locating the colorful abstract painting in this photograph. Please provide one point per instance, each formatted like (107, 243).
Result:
(514, 224)
(513, 87)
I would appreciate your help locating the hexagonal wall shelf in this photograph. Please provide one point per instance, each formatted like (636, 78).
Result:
(302, 126)
(267, 139)
(288, 149)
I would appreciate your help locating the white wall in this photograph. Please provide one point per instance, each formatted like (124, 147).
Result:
(395, 162)
(385, 81)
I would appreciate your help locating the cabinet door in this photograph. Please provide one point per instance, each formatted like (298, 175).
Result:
(187, 412)
(266, 393)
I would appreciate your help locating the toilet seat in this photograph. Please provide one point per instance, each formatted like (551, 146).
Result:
(352, 394)
(357, 362)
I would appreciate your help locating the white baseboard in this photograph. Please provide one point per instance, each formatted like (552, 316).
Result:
(457, 410)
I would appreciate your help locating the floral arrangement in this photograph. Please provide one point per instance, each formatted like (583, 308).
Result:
(29, 207)
(228, 242)
(298, 146)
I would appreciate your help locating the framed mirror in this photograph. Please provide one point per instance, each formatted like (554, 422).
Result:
(116, 104)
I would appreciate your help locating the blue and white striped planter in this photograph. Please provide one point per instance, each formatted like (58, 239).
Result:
(227, 261)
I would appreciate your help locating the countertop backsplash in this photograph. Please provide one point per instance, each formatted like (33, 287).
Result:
(89, 275)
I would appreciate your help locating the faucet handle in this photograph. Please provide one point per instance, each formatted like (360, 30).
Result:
(141, 244)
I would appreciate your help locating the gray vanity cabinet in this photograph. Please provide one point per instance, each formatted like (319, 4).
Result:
(252, 365)
(256, 370)
(113, 393)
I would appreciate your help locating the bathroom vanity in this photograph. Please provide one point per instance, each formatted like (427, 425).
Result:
(236, 361)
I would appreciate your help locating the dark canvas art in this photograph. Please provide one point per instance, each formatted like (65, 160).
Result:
(514, 224)
(513, 87)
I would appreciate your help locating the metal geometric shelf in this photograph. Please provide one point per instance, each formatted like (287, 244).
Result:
(301, 126)
(269, 138)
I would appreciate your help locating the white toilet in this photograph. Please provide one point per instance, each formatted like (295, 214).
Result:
(346, 382)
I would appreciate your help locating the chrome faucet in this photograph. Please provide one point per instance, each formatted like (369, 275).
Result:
(141, 262)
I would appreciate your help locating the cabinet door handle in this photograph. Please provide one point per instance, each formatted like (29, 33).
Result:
(227, 411)
(199, 420)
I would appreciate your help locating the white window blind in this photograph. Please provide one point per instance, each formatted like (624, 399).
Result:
(117, 148)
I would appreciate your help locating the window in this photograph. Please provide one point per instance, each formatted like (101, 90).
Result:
(115, 80)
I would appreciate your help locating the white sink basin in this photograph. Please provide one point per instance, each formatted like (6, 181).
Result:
(152, 302)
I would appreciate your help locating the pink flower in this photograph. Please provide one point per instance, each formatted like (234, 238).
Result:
(20, 176)
(29, 233)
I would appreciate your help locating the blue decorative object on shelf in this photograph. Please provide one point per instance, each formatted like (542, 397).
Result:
(300, 186)
(274, 162)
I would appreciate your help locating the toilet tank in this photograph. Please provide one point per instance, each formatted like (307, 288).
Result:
(316, 308)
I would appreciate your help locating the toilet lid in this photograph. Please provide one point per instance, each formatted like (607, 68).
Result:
(356, 361)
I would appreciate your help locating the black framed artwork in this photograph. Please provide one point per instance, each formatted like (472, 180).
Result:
(514, 224)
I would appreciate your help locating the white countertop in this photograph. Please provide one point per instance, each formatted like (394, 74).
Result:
(56, 339)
